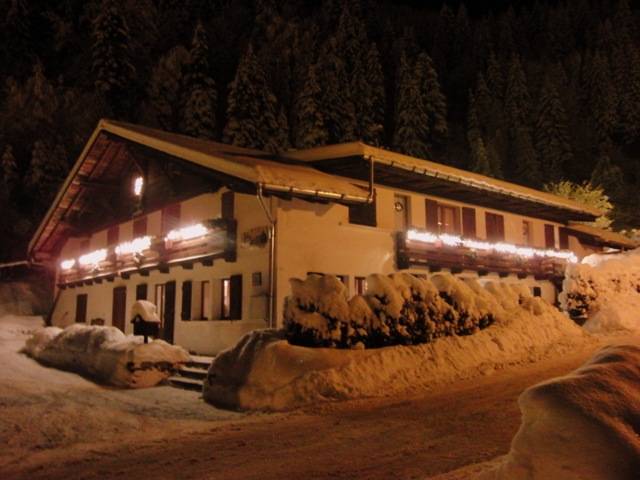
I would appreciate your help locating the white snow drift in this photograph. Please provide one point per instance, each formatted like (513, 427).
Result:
(106, 354)
(604, 290)
(583, 425)
(264, 371)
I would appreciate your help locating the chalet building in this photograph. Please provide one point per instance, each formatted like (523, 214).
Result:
(212, 233)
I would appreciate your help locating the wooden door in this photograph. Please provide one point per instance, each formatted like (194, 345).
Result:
(549, 236)
(81, 308)
(169, 311)
(119, 310)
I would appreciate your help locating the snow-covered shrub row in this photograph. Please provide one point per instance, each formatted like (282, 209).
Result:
(399, 309)
(106, 354)
(604, 290)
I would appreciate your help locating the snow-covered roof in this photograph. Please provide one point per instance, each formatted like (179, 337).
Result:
(322, 155)
(605, 237)
(246, 165)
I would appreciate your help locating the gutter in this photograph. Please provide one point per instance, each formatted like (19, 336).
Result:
(272, 255)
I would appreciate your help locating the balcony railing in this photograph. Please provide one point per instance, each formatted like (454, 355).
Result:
(202, 242)
(417, 248)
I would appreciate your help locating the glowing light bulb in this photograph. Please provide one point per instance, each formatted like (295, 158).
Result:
(187, 233)
(93, 258)
(67, 264)
(137, 245)
(138, 184)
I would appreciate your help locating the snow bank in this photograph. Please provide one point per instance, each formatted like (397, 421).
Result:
(605, 291)
(264, 371)
(583, 425)
(106, 354)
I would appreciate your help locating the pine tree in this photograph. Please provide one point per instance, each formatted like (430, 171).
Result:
(517, 100)
(113, 69)
(47, 169)
(17, 41)
(412, 120)
(495, 76)
(337, 103)
(166, 88)
(602, 97)
(434, 100)
(479, 158)
(199, 117)
(9, 168)
(254, 119)
(552, 143)
(367, 86)
(310, 130)
(628, 88)
(527, 166)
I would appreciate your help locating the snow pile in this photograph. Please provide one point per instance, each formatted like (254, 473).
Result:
(399, 309)
(106, 354)
(605, 290)
(145, 310)
(583, 425)
(265, 371)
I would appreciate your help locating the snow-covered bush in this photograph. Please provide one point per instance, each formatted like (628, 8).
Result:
(604, 290)
(397, 309)
(106, 354)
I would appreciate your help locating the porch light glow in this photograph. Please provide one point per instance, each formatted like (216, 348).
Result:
(67, 264)
(137, 245)
(187, 233)
(500, 247)
(138, 183)
(93, 258)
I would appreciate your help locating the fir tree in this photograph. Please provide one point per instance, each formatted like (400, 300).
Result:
(47, 169)
(337, 103)
(9, 168)
(628, 83)
(200, 90)
(602, 98)
(310, 130)
(166, 88)
(367, 86)
(412, 120)
(112, 59)
(495, 76)
(517, 100)
(434, 100)
(254, 119)
(527, 166)
(552, 143)
(479, 158)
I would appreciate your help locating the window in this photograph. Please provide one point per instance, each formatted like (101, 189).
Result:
(469, 222)
(536, 291)
(112, 235)
(360, 285)
(231, 298)
(527, 233)
(170, 218)
(200, 300)
(442, 218)
(495, 227)
(563, 237)
(81, 308)
(401, 212)
(225, 311)
(141, 291)
(549, 236)
(140, 227)
(158, 299)
(363, 214)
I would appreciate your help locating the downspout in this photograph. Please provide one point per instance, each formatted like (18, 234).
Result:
(371, 195)
(272, 256)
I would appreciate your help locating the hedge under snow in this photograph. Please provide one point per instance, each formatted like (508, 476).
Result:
(399, 309)
(106, 354)
(604, 290)
(266, 372)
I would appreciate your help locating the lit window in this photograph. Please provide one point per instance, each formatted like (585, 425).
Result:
(138, 184)
(361, 285)
(226, 298)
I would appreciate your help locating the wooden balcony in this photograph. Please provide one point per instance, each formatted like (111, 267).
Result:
(437, 255)
(219, 242)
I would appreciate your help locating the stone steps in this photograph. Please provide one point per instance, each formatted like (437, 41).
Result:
(191, 375)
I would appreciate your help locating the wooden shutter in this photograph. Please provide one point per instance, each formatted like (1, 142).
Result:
(170, 218)
(363, 214)
(457, 229)
(235, 310)
(119, 307)
(563, 234)
(112, 235)
(549, 236)
(186, 300)
(141, 291)
(81, 308)
(431, 207)
(495, 227)
(169, 311)
(140, 227)
(469, 222)
(227, 207)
